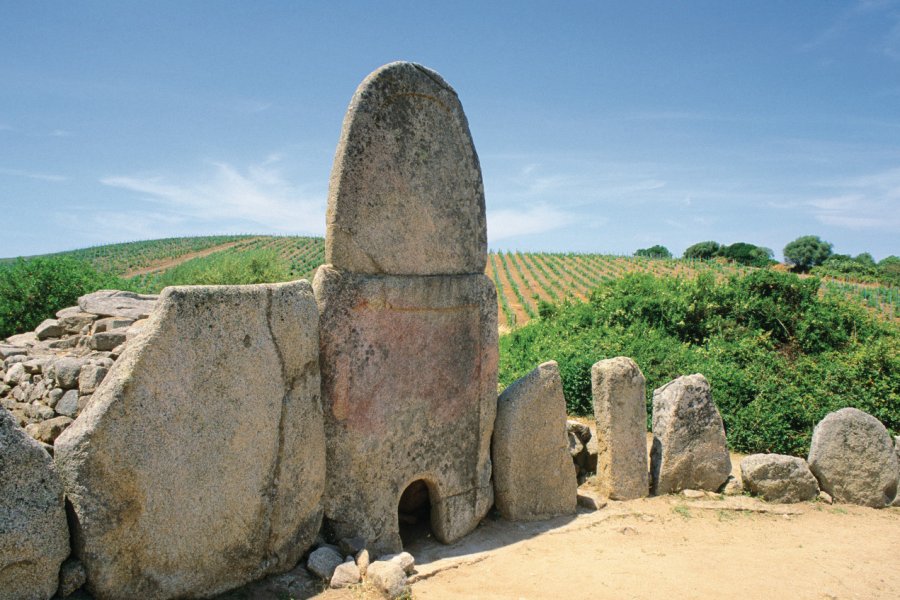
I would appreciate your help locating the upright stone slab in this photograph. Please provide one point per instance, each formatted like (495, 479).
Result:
(534, 476)
(620, 409)
(34, 537)
(199, 464)
(852, 456)
(408, 319)
(689, 449)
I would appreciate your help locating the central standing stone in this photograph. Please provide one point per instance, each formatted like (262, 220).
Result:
(408, 319)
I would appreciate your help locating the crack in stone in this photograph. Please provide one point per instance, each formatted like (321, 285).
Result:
(275, 476)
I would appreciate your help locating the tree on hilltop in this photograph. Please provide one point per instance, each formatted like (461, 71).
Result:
(806, 252)
(703, 250)
(656, 251)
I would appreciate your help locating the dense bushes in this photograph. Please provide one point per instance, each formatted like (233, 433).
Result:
(739, 252)
(778, 356)
(32, 290)
(860, 268)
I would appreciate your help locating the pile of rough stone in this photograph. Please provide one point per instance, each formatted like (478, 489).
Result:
(48, 376)
(349, 563)
(582, 448)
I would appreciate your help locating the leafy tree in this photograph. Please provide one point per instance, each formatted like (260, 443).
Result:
(703, 250)
(865, 259)
(32, 290)
(656, 251)
(806, 252)
(747, 254)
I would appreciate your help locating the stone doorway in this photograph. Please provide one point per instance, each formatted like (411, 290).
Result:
(414, 513)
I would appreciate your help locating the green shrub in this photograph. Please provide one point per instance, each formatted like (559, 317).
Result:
(779, 356)
(32, 290)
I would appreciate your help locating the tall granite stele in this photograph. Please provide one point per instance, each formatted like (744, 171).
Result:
(408, 335)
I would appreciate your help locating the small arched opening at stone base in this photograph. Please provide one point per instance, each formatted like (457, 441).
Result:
(415, 512)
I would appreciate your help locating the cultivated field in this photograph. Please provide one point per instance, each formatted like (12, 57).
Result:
(523, 279)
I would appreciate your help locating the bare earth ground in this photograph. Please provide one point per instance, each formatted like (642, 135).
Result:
(669, 547)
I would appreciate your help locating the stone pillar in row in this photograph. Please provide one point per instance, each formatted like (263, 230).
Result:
(620, 409)
(689, 449)
(534, 476)
(408, 318)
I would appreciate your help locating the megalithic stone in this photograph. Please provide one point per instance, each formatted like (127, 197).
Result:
(408, 319)
(689, 448)
(620, 409)
(534, 476)
(406, 196)
(198, 465)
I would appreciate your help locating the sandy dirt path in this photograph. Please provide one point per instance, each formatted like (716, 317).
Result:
(672, 548)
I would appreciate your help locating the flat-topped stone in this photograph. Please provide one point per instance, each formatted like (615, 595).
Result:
(116, 303)
(406, 195)
(778, 478)
(620, 409)
(409, 381)
(199, 463)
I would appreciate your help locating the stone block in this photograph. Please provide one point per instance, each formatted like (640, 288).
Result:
(409, 380)
(852, 456)
(199, 463)
(620, 409)
(534, 476)
(778, 478)
(689, 449)
(34, 536)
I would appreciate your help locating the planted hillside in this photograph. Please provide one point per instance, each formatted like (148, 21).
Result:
(779, 354)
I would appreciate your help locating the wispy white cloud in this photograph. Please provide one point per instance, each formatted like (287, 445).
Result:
(33, 175)
(60, 133)
(111, 226)
(507, 223)
(258, 195)
(869, 201)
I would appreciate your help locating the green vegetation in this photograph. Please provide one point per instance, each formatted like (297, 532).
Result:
(656, 251)
(703, 250)
(739, 252)
(120, 259)
(33, 290)
(806, 252)
(780, 351)
(778, 355)
(861, 268)
(221, 268)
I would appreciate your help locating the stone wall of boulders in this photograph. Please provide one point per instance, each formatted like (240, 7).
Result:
(49, 375)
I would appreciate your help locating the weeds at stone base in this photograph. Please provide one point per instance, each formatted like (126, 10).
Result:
(682, 510)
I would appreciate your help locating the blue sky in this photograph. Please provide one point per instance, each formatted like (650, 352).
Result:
(601, 127)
